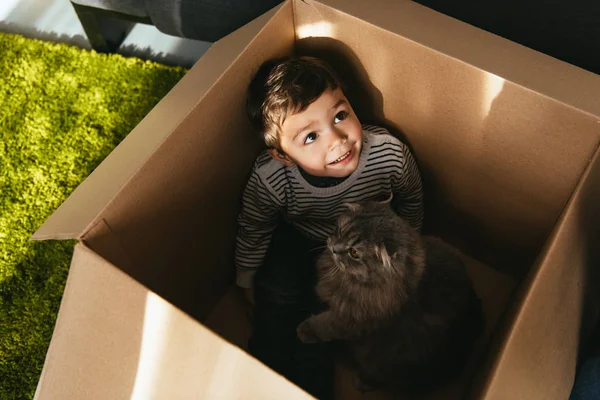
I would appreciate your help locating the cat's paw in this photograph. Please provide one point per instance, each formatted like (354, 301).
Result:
(306, 333)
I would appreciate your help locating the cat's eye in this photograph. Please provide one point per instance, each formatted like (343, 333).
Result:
(353, 253)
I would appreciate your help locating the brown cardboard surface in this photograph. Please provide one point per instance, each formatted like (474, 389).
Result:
(499, 162)
(502, 135)
(86, 203)
(177, 213)
(194, 180)
(114, 339)
(552, 322)
(525, 67)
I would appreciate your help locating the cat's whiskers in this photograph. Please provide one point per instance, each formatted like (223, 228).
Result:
(344, 275)
(321, 247)
(331, 272)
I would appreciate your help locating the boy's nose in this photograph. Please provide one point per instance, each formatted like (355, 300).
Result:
(338, 138)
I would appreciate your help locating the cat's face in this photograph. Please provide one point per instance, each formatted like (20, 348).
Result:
(369, 246)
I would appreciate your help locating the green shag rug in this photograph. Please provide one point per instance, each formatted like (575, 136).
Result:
(62, 111)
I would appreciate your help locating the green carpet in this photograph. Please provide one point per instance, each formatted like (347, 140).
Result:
(62, 111)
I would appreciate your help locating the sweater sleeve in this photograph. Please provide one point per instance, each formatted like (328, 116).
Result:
(408, 190)
(257, 221)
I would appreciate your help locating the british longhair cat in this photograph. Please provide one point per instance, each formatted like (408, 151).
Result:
(401, 304)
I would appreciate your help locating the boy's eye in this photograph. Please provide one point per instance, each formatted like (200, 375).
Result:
(311, 137)
(339, 117)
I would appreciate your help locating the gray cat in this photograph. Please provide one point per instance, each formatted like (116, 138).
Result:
(402, 305)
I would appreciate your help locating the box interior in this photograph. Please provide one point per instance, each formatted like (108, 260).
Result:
(499, 162)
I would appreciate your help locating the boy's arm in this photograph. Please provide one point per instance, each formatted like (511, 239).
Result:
(257, 221)
(408, 191)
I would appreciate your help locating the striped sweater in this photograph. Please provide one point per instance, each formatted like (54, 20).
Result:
(276, 191)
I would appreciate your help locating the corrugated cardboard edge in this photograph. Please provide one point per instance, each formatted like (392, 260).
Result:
(533, 70)
(82, 209)
(82, 356)
(494, 385)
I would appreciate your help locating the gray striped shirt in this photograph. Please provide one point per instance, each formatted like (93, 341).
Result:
(275, 191)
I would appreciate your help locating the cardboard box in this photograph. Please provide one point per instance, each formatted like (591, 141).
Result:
(507, 141)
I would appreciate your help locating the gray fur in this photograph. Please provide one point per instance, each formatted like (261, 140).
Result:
(403, 305)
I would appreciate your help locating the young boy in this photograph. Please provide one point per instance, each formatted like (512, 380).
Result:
(319, 157)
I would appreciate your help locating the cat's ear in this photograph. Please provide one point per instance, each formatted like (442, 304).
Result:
(397, 258)
(281, 157)
(391, 250)
(353, 206)
(385, 257)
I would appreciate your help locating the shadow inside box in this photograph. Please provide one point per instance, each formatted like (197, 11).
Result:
(229, 319)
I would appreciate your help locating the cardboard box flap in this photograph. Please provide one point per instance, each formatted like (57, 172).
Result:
(516, 63)
(538, 357)
(85, 205)
(114, 339)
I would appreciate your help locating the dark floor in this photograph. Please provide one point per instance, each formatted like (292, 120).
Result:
(567, 30)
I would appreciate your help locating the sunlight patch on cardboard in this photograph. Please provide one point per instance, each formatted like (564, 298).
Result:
(493, 87)
(316, 29)
(156, 323)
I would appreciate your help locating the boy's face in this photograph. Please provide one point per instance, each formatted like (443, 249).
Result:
(325, 139)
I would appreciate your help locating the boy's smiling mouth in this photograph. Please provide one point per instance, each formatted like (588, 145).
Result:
(344, 157)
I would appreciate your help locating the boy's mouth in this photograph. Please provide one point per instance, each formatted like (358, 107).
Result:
(341, 159)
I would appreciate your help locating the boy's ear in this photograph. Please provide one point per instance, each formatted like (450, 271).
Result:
(281, 157)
